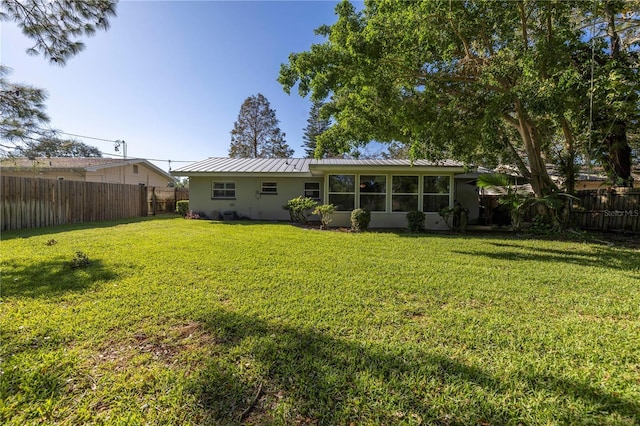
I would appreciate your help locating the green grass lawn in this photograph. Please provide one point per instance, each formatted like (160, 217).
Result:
(193, 322)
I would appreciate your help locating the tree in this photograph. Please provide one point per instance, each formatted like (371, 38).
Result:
(480, 81)
(55, 27)
(256, 133)
(396, 151)
(613, 28)
(21, 111)
(316, 125)
(55, 147)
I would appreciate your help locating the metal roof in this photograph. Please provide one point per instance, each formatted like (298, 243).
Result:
(296, 165)
(247, 165)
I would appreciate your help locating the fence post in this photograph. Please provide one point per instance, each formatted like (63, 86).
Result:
(154, 200)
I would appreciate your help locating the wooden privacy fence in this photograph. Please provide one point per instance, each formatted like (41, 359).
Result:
(163, 200)
(609, 210)
(34, 203)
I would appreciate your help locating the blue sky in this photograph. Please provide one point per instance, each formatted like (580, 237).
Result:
(169, 77)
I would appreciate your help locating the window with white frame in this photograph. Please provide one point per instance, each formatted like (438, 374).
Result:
(224, 190)
(135, 169)
(342, 192)
(269, 188)
(404, 193)
(373, 193)
(312, 190)
(435, 193)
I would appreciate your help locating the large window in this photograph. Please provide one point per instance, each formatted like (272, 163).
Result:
(373, 193)
(342, 191)
(269, 188)
(435, 193)
(224, 190)
(312, 190)
(404, 193)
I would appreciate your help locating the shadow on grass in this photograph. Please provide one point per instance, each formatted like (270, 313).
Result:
(599, 256)
(50, 278)
(50, 230)
(307, 377)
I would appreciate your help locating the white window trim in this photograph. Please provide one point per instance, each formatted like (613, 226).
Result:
(385, 193)
(417, 194)
(319, 190)
(422, 193)
(356, 178)
(225, 183)
(262, 187)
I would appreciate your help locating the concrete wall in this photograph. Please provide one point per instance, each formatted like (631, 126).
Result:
(249, 201)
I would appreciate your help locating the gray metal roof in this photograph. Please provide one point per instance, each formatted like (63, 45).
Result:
(247, 165)
(296, 165)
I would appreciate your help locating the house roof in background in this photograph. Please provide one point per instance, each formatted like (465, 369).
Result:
(296, 165)
(89, 164)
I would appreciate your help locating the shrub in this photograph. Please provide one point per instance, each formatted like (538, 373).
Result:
(324, 211)
(297, 208)
(458, 215)
(182, 207)
(193, 215)
(415, 220)
(80, 260)
(360, 219)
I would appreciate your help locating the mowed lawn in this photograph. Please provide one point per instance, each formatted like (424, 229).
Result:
(195, 322)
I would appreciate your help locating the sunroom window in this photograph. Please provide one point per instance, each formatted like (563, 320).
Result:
(373, 193)
(435, 193)
(342, 191)
(404, 193)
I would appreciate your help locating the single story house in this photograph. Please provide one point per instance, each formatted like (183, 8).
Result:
(132, 171)
(257, 188)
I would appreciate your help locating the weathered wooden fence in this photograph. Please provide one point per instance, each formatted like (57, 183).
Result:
(609, 210)
(34, 203)
(163, 200)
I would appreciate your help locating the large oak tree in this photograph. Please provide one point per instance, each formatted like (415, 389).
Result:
(478, 81)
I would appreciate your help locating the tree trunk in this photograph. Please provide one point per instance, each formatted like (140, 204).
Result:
(618, 165)
(541, 183)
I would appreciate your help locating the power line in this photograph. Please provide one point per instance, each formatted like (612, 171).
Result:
(121, 155)
(150, 159)
(87, 137)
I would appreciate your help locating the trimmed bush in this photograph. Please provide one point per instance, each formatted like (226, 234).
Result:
(297, 207)
(415, 221)
(324, 211)
(182, 207)
(360, 220)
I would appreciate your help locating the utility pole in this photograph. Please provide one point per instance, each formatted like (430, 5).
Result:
(124, 148)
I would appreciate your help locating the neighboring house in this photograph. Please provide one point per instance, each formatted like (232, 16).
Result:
(257, 188)
(133, 171)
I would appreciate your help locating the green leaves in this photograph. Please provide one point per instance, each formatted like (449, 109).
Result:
(54, 25)
(452, 79)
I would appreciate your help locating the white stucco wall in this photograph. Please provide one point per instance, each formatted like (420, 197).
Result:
(249, 201)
